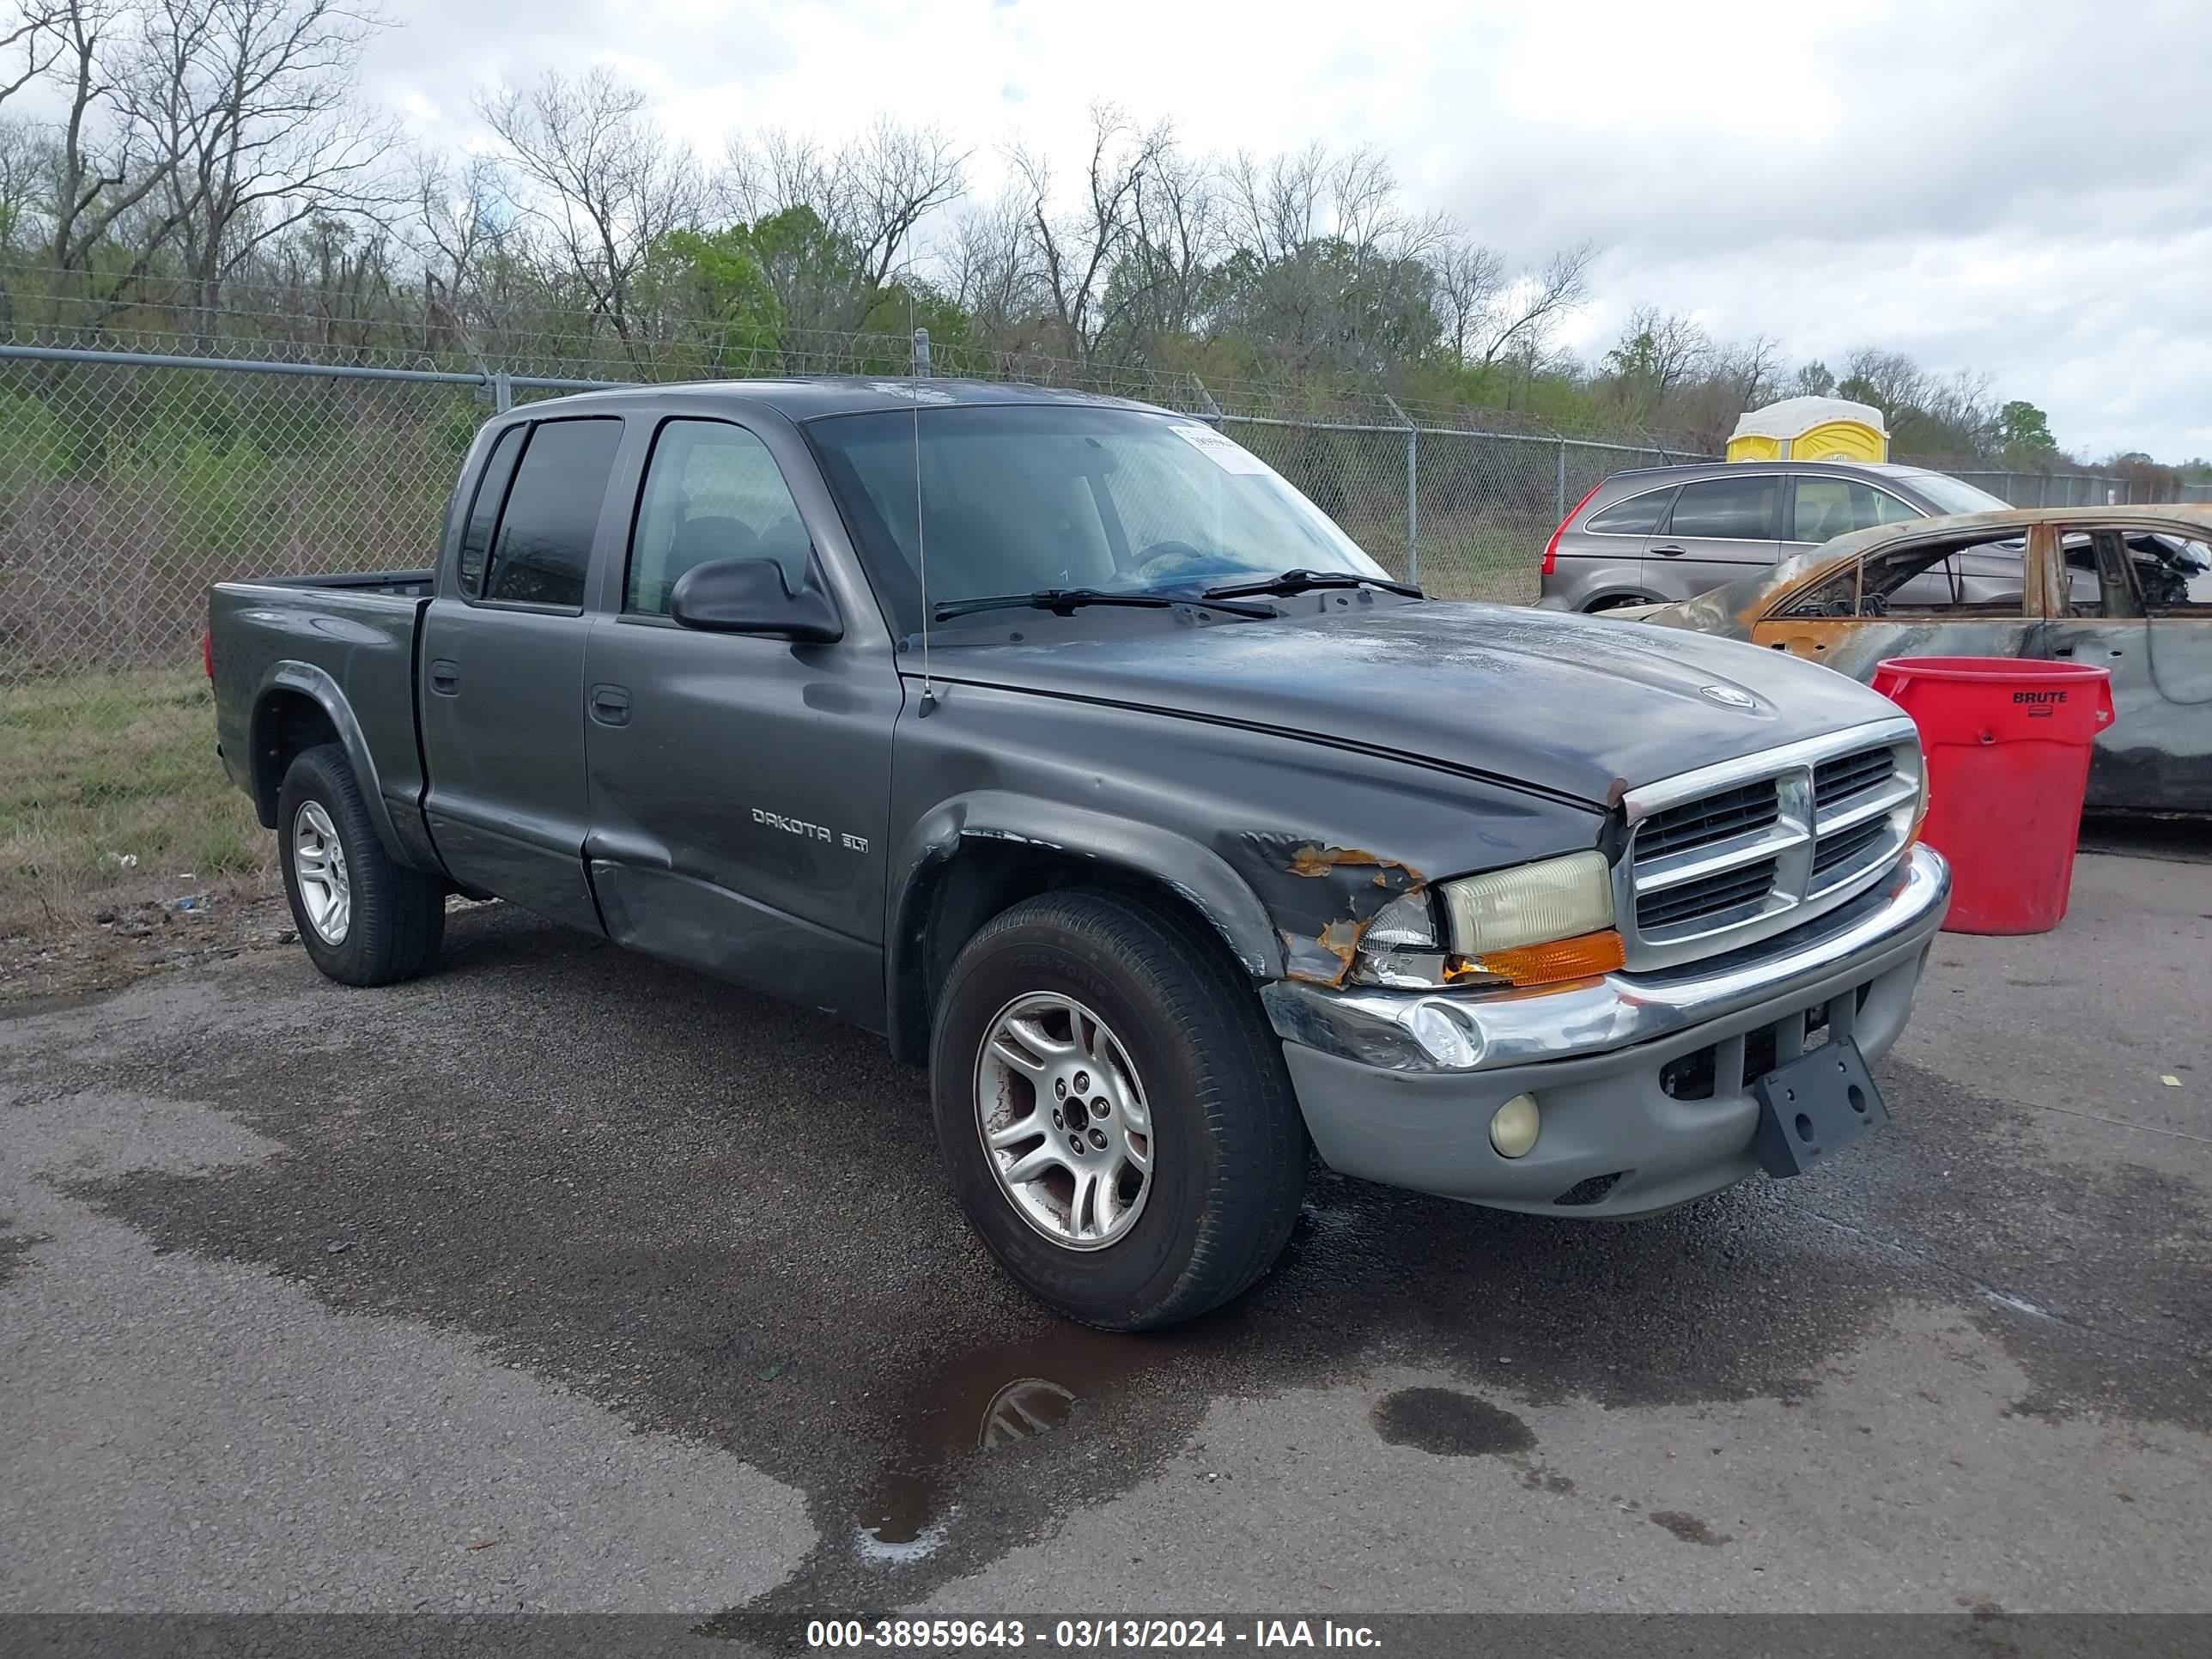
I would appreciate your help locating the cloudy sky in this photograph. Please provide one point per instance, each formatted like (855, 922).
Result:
(2022, 189)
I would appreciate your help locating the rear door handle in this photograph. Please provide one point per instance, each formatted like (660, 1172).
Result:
(610, 705)
(1670, 552)
(444, 677)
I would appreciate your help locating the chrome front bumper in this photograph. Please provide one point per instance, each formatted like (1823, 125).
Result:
(1399, 1086)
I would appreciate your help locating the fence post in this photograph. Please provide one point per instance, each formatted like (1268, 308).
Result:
(502, 392)
(1212, 414)
(1412, 493)
(1559, 484)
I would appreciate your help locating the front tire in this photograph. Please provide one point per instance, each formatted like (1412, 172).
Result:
(364, 919)
(1115, 1111)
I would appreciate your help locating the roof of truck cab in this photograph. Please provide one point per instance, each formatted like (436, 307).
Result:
(845, 394)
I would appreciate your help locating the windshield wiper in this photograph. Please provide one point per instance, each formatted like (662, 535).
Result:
(1304, 581)
(1064, 601)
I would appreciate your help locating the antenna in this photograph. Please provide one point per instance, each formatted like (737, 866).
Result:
(920, 368)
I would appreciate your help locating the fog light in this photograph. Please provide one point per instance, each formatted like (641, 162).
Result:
(1514, 1129)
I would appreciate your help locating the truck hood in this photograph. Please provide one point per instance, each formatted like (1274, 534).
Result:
(1577, 706)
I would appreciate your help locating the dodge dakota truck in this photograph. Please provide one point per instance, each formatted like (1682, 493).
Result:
(1062, 743)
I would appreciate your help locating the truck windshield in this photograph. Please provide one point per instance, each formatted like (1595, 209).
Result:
(1018, 497)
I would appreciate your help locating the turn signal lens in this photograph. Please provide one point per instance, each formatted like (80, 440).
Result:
(1582, 957)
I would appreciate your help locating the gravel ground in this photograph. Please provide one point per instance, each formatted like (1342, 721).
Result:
(563, 1280)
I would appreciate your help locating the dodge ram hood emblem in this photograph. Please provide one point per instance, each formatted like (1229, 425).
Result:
(1727, 697)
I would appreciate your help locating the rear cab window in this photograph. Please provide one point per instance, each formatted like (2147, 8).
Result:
(542, 550)
(483, 508)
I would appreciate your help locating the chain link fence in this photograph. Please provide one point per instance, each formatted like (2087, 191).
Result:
(130, 481)
(2065, 487)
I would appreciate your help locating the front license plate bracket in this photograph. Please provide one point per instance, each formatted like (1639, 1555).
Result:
(1824, 1099)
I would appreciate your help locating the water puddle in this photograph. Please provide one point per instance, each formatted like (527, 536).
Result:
(988, 1402)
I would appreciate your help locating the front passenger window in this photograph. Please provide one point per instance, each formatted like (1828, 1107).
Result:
(712, 491)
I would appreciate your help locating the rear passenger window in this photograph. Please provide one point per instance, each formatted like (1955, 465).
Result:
(483, 508)
(1726, 509)
(545, 543)
(1637, 516)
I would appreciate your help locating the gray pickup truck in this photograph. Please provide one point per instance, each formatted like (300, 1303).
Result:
(1061, 742)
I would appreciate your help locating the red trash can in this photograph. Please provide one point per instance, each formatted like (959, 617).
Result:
(2008, 745)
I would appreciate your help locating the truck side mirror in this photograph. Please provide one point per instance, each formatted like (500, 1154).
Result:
(750, 596)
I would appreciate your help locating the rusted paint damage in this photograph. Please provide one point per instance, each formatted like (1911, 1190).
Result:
(1323, 897)
(1317, 862)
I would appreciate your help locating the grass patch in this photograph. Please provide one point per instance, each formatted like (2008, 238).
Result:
(99, 768)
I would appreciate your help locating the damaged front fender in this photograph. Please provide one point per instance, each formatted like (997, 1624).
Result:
(1323, 899)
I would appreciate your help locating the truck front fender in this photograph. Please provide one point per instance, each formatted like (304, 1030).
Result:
(1120, 847)
(1201, 877)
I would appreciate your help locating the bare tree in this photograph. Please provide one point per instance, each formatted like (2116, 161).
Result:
(1075, 252)
(105, 160)
(458, 235)
(866, 198)
(1274, 207)
(599, 179)
(894, 176)
(1469, 278)
(1749, 371)
(1527, 311)
(988, 268)
(1178, 236)
(1657, 355)
(23, 165)
(31, 43)
(254, 105)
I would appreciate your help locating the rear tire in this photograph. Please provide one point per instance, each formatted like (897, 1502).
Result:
(1136, 1005)
(362, 919)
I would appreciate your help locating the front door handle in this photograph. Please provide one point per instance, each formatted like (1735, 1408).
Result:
(1670, 552)
(444, 677)
(610, 705)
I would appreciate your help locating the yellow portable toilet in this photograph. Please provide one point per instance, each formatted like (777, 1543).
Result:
(1810, 429)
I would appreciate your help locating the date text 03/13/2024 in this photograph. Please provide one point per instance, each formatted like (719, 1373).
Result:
(1080, 1635)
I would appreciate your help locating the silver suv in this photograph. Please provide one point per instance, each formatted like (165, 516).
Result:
(1665, 533)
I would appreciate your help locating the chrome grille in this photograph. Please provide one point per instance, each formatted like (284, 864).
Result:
(1836, 851)
(1705, 898)
(1846, 775)
(1720, 857)
(1715, 817)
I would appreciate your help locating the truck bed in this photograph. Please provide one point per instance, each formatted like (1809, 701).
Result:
(345, 643)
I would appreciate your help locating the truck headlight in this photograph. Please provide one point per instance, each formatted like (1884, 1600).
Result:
(1534, 924)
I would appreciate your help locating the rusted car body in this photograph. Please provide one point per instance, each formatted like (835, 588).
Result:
(2126, 588)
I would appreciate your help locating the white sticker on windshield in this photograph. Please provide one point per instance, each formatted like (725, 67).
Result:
(1224, 452)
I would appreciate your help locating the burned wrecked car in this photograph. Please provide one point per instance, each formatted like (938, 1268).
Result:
(2128, 589)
